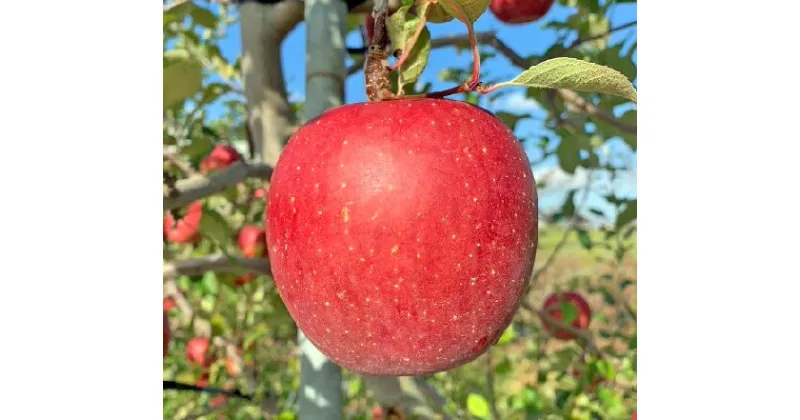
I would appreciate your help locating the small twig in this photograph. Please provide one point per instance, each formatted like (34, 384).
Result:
(195, 188)
(584, 335)
(490, 385)
(574, 220)
(172, 290)
(552, 256)
(578, 101)
(177, 386)
(216, 263)
(183, 166)
(580, 41)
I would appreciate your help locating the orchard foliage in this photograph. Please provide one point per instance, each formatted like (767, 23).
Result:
(582, 82)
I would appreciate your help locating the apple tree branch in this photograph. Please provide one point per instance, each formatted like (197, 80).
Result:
(197, 187)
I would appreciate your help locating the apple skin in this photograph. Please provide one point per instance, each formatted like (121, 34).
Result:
(552, 307)
(187, 230)
(253, 241)
(634, 415)
(402, 233)
(196, 351)
(515, 12)
(220, 157)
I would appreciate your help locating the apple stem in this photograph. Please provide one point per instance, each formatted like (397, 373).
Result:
(476, 57)
(410, 43)
(377, 82)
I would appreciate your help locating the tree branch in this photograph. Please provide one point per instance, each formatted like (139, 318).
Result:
(217, 263)
(195, 188)
(580, 41)
(593, 111)
(269, 114)
(490, 38)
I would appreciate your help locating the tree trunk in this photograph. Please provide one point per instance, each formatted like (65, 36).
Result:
(320, 394)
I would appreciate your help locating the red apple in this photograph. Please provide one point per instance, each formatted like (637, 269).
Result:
(243, 279)
(402, 233)
(196, 351)
(220, 157)
(377, 412)
(218, 400)
(253, 241)
(519, 11)
(203, 381)
(169, 303)
(634, 415)
(552, 305)
(260, 193)
(166, 335)
(187, 229)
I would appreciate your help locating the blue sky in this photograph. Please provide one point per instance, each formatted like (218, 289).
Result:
(525, 40)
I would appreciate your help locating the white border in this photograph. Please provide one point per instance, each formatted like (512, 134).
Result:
(717, 243)
(718, 240)
(82, 278)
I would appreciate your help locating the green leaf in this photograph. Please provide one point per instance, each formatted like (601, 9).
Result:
(477, 406)
(219, 325)
(437, 13)
(585, 240)
(286, 415)
(467, 11)
(209, 284)
(627, 215)
(401, 26)
(203, 17)
(214, 226)
(508, 335)
(568, 157)
(354, 387)
(510, 119)
(608, 297)
(177, 12)
(256, 332)
(606, 369)
(354, 21)
(183, 77)
(577, 75)
(569, 312)
(504, 367)
(595, 25)
(568, 209)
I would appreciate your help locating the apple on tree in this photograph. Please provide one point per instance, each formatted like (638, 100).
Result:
(204, 379)
(169, 303)
(402, 233)
(220, 157)
(197, 351)
(187, 228)
(252, 241)
(556, 304)
(519, 11)
(243, 279)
